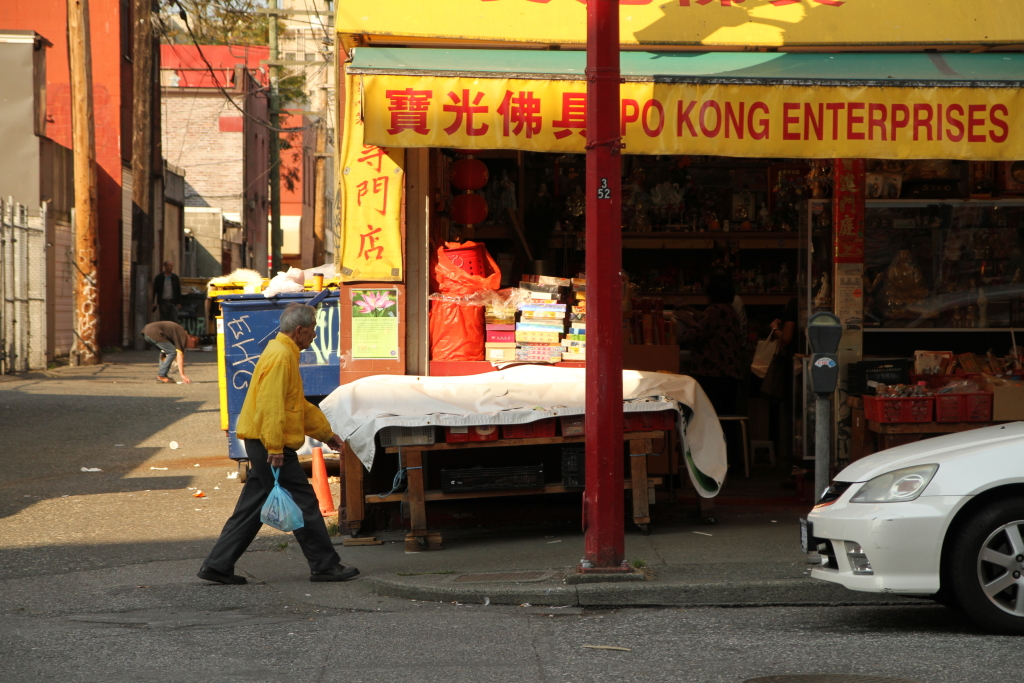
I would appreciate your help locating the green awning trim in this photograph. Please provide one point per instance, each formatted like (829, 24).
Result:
(894, 69)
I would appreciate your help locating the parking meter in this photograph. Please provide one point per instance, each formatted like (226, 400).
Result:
(824, 331)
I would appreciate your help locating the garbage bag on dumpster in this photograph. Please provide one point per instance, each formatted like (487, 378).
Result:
(463, 271)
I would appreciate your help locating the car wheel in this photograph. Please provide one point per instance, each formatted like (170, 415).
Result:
(987, 566)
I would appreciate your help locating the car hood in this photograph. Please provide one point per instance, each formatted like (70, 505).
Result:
(936, 450)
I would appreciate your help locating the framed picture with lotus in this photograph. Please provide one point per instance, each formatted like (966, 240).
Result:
(375, 324)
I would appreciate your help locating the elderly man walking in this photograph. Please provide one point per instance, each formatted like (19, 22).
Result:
(274, 419)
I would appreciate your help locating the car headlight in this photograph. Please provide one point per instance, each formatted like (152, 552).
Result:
(896, 486)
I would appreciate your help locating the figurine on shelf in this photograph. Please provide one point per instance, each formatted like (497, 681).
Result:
(904, 285)
(784, 278)
(820, 178)
(764, 219)
(823, 297)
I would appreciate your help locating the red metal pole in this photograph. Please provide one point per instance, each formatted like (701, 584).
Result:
(603, 504)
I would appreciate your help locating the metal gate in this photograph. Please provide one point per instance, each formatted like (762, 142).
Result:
(22, 288)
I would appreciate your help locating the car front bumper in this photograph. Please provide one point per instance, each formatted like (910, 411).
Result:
(902, 541)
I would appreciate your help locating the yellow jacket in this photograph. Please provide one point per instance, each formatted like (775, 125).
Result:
(276, 410)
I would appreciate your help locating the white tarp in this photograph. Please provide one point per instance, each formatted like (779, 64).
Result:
(518, 395)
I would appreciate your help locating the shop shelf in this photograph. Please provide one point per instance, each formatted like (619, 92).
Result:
(530, 430)
(894, 410)
(492, 478)
(967, 407)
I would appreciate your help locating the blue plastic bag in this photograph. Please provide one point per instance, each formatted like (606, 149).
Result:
(280, 511)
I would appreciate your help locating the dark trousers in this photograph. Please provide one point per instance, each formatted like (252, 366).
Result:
(243, 525)
(168, 310)
(721, 391)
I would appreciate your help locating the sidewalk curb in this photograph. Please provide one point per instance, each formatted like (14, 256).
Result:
(765, 593)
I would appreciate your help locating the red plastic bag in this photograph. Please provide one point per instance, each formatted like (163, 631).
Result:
(457, 327)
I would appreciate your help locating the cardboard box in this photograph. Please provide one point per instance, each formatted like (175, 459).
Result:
(1007, 400)
(500, 353)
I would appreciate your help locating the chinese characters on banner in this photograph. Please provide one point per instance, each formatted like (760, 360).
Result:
(814, 122)
(848, 210)
(372, 179)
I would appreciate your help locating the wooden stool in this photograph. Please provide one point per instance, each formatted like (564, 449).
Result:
(742, 419)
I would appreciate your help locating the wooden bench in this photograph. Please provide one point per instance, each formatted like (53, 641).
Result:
(416, 497)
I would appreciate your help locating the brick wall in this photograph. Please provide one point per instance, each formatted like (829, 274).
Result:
(202, 133)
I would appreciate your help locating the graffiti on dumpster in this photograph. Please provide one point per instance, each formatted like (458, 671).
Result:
(241, 337)
(326, 341)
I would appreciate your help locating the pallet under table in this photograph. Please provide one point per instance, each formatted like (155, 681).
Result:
(640, 445)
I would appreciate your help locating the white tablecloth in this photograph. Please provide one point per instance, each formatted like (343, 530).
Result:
(517, 395)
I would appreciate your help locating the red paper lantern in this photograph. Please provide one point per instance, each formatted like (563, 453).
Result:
(469, 209)
(469, 174)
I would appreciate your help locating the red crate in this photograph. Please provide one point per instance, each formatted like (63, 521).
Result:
(530, 430)
(892, 410)
(466, 434)
(572, 425)
(975, 406)
(648, 421)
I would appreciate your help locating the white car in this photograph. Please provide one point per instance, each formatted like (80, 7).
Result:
(940, 518)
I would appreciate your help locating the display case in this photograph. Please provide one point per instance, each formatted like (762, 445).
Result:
(944, 264)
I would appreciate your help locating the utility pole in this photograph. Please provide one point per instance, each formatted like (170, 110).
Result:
(320, 201)
(86, 349)
(276, 237)
(603, 498)
(142, 159)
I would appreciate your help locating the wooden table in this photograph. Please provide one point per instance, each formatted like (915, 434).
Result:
(419, 537)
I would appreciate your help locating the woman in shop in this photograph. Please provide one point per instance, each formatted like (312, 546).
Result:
(716, 342)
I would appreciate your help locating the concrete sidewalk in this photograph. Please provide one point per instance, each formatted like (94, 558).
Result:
(138, 516)
(747, 559)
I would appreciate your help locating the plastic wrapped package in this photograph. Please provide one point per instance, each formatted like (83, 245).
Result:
(457, 315)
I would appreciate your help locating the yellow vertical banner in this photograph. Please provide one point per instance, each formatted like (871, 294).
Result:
(371, 181)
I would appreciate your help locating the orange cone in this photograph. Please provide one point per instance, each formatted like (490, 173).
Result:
(320, 485)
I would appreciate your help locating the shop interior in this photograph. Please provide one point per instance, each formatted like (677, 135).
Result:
(943, 257)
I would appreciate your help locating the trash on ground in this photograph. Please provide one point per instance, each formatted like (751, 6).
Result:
(232, 475)
(118, 445)
(526, 604)
(199, 494)
(702, 533)
(196, 465)
(558, 541)
(216, 488)
(158, 468)
(173, 445)
(91, 469)
(487, 601)
(608, 647)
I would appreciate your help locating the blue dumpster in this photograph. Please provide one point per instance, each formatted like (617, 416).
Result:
(250, 322)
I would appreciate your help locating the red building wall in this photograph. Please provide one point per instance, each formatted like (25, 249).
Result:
(111, 76)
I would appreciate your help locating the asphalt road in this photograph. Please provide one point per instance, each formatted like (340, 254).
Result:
(97, 579)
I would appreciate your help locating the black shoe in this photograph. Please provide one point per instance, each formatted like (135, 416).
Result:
(208, 574)
(338, 573)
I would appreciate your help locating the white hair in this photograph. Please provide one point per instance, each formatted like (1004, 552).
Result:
(297, 315)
